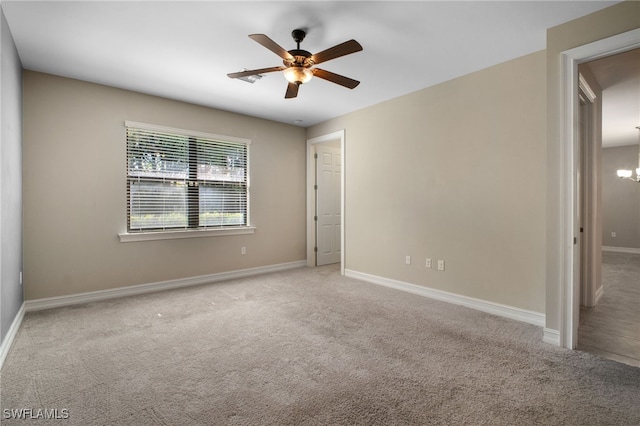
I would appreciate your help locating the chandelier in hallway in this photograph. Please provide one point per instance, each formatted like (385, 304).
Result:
(628, 174)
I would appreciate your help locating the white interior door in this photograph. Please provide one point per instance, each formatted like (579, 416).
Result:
(328, 223)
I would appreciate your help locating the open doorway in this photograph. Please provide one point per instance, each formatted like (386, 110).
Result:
(569, 175)
(609, 315)
(325, 200)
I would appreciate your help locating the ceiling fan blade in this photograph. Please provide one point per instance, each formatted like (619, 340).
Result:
(335, 78)
(292, 90)
(271, 45)
(255, 72)
(337, 51)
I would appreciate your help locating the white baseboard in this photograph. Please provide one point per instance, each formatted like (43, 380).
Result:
(11, 334)
(511, 312)
(599, 294)
(631, 250)
(551, 337)
(95, 296)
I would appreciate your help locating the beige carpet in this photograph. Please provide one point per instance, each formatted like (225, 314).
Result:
(305, 346)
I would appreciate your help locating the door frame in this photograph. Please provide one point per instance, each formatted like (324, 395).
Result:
(590, 157)
(311, 199)
(570, 59)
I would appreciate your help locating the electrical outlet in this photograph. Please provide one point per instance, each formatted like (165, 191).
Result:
(440, 265)
(243, 250)
(613, 235)
(428, 263)
(407, 260)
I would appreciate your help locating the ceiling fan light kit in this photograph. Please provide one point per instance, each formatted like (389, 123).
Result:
(298, 64)
(298, 75)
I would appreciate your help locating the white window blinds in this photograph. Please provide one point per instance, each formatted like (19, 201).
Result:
(178, 179)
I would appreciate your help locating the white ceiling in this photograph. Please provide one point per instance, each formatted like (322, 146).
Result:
(184, 50)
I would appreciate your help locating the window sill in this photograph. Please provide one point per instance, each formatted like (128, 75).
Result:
(127, 237)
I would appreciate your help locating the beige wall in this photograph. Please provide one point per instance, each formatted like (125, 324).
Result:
(620, 198)
(453, 172)
(75, 191)
(11, 291)
(608, 22)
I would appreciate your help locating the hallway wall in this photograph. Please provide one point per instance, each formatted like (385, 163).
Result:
(620, 199)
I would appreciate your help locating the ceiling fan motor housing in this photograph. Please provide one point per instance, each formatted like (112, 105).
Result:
(300, 58)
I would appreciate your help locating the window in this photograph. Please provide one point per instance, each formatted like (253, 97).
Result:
(179, 180)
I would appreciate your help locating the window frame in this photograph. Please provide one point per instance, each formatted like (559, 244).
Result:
(190, 230)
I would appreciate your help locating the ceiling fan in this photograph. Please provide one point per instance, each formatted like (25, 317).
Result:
(299, 64)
